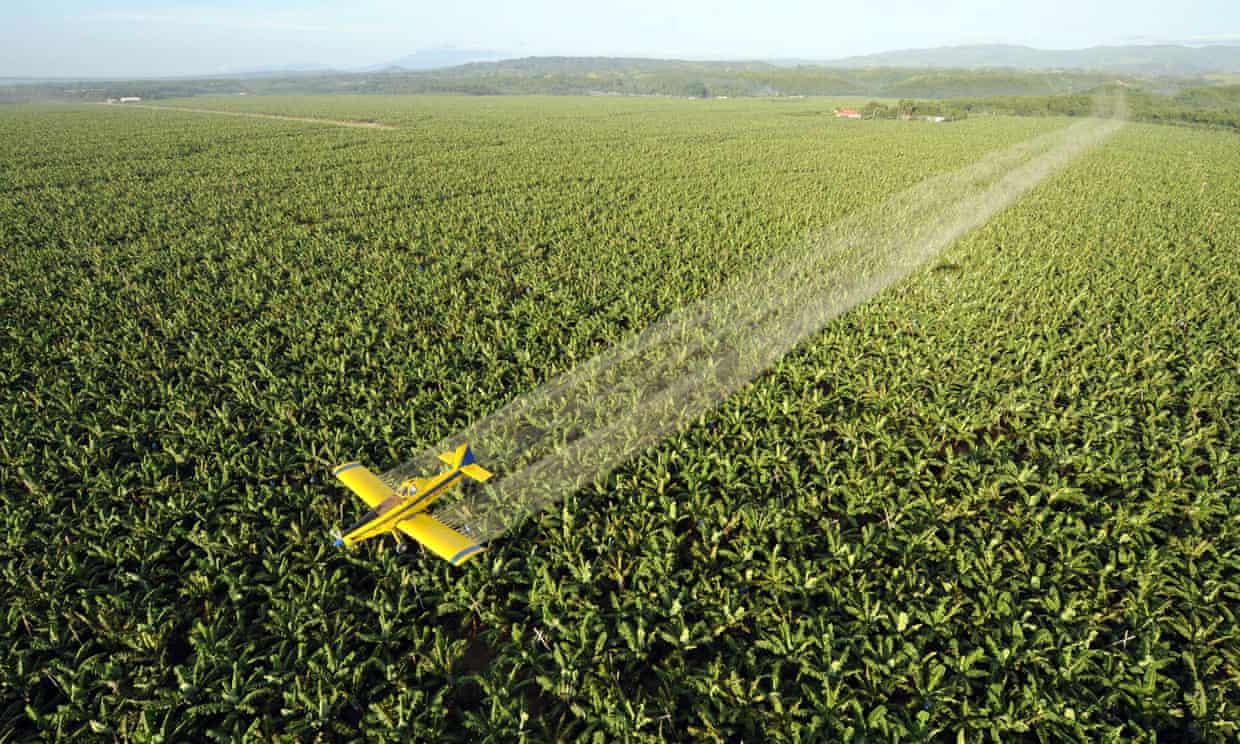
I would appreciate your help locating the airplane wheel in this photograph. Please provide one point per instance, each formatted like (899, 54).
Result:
(402, 546)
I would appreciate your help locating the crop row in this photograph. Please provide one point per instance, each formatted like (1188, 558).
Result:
(998, 500)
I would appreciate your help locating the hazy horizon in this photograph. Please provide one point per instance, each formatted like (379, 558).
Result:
(142, 38)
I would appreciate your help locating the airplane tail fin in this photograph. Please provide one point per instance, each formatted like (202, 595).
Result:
(456, 458)
(463, 458)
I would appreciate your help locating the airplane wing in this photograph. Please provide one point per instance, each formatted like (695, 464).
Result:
(364, 483)
(442, 540)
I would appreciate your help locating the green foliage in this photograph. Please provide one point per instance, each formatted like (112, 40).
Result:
(997, 502)
(1211, 107)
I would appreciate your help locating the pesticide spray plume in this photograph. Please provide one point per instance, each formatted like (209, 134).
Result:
(579, 427)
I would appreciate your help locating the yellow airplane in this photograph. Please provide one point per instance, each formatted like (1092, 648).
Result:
(404, 508)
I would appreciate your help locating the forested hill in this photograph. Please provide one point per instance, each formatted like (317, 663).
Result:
(959, 92)
(619, 76)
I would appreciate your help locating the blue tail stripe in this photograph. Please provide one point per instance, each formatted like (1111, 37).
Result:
(468, 459)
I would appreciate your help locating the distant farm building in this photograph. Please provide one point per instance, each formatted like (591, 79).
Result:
(848, 113)
(130, 99)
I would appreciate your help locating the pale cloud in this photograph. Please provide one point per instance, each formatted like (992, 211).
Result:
(221, 18)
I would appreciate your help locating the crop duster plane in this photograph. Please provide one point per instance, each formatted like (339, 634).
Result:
(403, 510)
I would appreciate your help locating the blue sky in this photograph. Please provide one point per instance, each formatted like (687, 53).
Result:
(129, 38)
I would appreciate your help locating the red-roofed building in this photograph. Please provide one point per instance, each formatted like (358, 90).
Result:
(848, 113)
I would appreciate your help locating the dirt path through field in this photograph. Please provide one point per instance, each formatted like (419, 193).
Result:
(255, 115)
(582, 425)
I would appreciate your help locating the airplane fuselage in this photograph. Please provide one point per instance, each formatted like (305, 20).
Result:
(387, 515)
(403, 510)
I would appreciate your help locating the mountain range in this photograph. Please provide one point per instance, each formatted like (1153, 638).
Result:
(1160, 59)
(1165, 61)
(434, 59)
